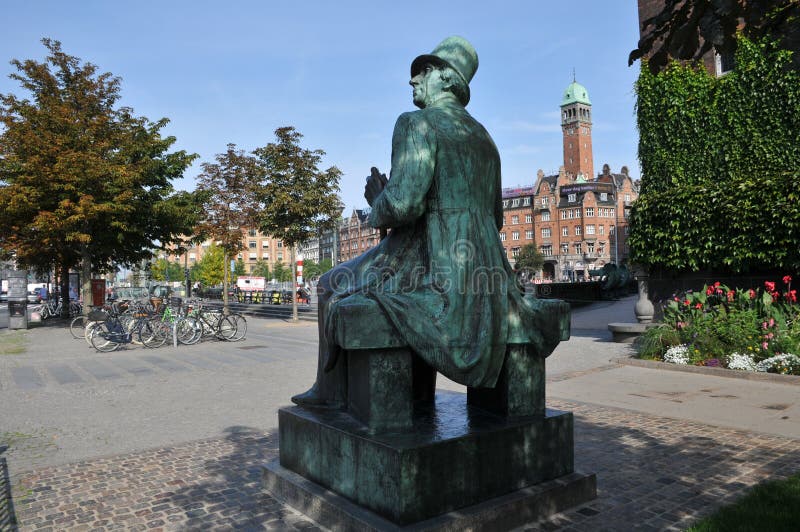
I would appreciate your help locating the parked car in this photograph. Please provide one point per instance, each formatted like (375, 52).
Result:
(33, 295)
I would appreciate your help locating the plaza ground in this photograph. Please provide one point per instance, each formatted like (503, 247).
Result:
(173, 438)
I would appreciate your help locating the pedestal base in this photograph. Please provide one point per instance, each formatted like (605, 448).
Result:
(500, 513)
(455, 456)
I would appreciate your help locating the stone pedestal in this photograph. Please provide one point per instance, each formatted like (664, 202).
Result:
(456, 456)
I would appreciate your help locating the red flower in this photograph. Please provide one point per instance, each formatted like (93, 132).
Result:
(770, 286)
(709, 290)
(731, 293)
(687, 302)
(752, 294)
(698, 305)
(775, 295)
(791, 295)
(787, 279)
(716, 285)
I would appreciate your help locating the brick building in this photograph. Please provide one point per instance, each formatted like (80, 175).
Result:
(356, 236)
(578, 221)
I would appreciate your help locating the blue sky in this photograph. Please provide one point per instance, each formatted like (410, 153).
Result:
(233, 72)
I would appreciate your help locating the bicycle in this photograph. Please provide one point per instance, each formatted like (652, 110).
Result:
(110, 334)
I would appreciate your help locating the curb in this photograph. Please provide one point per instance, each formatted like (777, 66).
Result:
(791, 380)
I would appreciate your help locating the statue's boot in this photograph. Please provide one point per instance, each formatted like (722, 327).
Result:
(313, 398)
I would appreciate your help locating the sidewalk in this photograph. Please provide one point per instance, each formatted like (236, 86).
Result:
(667, 447)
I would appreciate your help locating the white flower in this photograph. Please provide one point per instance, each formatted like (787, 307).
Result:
(678, 354)
(784, 363)
(741, 361)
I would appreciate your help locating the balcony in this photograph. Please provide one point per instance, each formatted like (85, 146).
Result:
(590, 256)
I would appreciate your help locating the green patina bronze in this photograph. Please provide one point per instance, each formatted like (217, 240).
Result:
(436, 295)
(441, 278)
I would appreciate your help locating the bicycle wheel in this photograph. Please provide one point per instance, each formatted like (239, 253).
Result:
(225, 328)
(77, 326)
(241, 327)
(101, 338)
(189, 330)
(89, 330)
(154, 332)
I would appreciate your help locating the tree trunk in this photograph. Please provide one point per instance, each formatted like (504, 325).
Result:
(225, 309)
(86, 281)
(294, 285)
(64, 288)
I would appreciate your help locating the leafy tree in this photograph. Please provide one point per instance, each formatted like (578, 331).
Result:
(529, 260)
(209, 270)
(720, 166)
(311, 269)
(261, 269)
(281, 272)
(298, 199)
(227, 197)
(238, 269)
(325, 265)
(687, 29)
(82, 181)
(162, 267)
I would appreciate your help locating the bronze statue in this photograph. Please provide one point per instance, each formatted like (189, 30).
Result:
(441, 276)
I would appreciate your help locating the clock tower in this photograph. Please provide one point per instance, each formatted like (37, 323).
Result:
(576, 126)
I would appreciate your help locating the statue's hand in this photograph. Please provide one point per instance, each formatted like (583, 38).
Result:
(375, 185)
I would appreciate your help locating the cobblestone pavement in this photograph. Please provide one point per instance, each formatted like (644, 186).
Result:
(654, 473)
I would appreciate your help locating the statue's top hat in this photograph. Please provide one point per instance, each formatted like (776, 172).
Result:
(455, 52)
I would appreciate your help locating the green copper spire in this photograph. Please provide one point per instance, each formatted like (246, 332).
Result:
(575, 93)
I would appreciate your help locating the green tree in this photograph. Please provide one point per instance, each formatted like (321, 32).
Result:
(83, 182)
(209, 270)
(687, 29)
(228, 204)
(261, 269)
(325, 265)
(161, 267)
(298, 200)
(238, 269)
(529, 260)
(311, 269)
(281, 272)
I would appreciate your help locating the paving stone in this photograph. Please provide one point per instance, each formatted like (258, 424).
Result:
(653, 473)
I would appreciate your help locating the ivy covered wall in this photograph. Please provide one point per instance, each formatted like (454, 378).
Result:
(720, 161)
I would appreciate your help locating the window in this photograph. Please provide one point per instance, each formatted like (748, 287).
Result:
(563, 214)
(577, 248)
(529, 234)
(280, 244)
(251, 244)
(601, 229)
(515, 235)
(547, 251)
(627, 229)
(265, 244)
(603, 196)
(505, 203)
(544, 201)
(564, 249)
(577, 230)
(589, 212)
(590, 229)
(265, 256)
(526, 201)
(515, 219)
(504, 220)
(515, 202)
(577, 213)
(251, 232)
(611, 230)
(515, 252)
(545, 232)
(545, 217)
(502, 237)
(570, 214)
(529, 218)
(192, 256)
(572, 198)
(280, 257)
(724, 63)
(627, 198)
(253, 256)
(565, 231)
(590, 247)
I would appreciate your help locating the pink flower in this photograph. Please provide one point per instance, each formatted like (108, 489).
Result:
(680, 325)
(770, 286)
(765, 345)
(731, 293)
(776, 295)
(716, 285)
(772, 322)
(709, 290)
(787, 279)
(764, 325)
(698, 305)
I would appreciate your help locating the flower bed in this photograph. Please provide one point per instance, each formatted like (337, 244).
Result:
(742, 329)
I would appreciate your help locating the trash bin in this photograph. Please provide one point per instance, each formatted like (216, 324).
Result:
(18, 314)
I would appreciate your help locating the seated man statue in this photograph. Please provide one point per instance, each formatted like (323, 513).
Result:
(440, 277)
